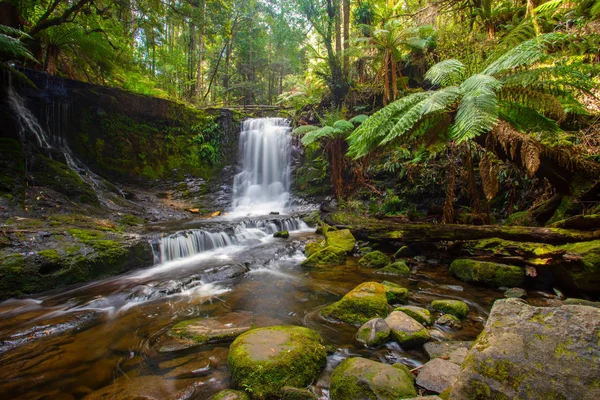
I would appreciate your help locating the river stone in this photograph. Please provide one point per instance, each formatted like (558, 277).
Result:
(516, 293)
(534, 352)
(312, 247)
(457, 308)
(326, 257)
(264, 360)
(282, 234)
(488, 273)
(450, 321)
(374, 259)
(397, 268)
(357, 378)
(420, 314)
(438, 375)
(452, 351)
(229, 394)
(292, 393)
(405, 330)
(364, 302)
(373, 332)
(395, 293)
(342, 239)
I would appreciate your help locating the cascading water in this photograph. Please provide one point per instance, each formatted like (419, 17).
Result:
(263, 184)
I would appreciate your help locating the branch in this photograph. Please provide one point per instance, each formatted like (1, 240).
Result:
(45, 23)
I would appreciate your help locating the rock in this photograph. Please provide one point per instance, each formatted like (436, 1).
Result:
(450, 321)
(405, 330)
(292, 393)
(426, 398)
(422, 315)
(488, 273)
(147, 387)
(397, 268)
(582, 302)
(395, 293)
(364, 302)
(326, 257)
(438, 375)
(313, 247)
(455, 307)
(357, 378)
(584, 272)
(534, 352)
(515, 293)
(264, 360)
(282, 234)
(342, 239)
(374, 259)
(452, 351)
(373, 332)
(229, 394)
(403, 252)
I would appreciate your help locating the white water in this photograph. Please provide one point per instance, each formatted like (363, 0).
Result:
(27, 121)
(263, 185)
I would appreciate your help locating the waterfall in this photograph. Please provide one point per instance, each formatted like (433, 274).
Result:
(27, 121)
(263, 184)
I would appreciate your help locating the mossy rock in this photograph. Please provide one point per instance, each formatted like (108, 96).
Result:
(488, 273)
(398, 268)
(265, 360)
(292, 393)
(450, 321)
(585, 273)
(342, 239)
(224, 328)
(418, 313)
(364, 302)
(395, 293)
(407, 331)
(374, 259)
(457, 308)
(229, 394)
(312, 247)
(357, 378)
(282, 234)
(326, 257)
(521, 218)
(373, 332)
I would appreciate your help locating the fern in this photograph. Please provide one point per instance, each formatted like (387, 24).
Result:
(343, 126)
(359, 119)
(525, 118)
(301, 130)
(321, 133)
(446, 73)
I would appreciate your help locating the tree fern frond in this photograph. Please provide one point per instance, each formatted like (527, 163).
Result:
(446, 73)
(529, 97)
(343, 125)
(316, 135)
(549, 6)
(526, 119)
(301, 130)
(522, 32)
(359, 119)
(11, 47)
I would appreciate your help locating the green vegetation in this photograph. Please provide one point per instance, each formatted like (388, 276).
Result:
(366, 301)
(454, 307)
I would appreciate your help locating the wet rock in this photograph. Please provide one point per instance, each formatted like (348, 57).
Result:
(313, 247)
(146, 387)
(452, 351)
(292, 393)
(282, 234)
(420, 314)
(488, 273)
(373, 332)
(326, 257)
(515, 293)
(342, 239)
(395, 293)
(438, 375)
(229, 394)
(265, 360)
(534, 352)
(405, 330)
(397, 268)
(404, 252)
(455, 307)
(582, 302)
(364, 302)
(374, 259)
(358, 378)
(450, 321)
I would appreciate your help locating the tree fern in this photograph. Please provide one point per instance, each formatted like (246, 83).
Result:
(359, 119)
(301, 130)
(321, 133)
(343, 126)
(446, 73)
(526, 119)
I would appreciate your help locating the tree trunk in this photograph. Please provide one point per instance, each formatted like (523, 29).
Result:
(346, 12)
(200, 74)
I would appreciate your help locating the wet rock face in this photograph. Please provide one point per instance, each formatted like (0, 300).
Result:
(358, 378)
(534, 352)
(364, 302)
(263, 361)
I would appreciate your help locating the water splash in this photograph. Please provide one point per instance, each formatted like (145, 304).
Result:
(28, 123)
(263, 184)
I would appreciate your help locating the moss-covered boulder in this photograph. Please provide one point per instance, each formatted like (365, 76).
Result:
(398, 268)
(342, 239)
(418, 313)
(358, 378)
(527, 352)
(312, 247)
(488, 273)
(374, 259)
(229, 394)
(457, 308)
(373, 332)
(326, 257)
(292, 393)
(364, 302)
(405, 330)
(450, 321)
(282, 234)
(264, 360)
(395, 293)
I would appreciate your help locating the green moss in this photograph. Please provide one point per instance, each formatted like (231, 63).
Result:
(282, 234)
(130, 220)
(326, 257)
(395, 293)
(365, 302)
(313, 247)
(455, 307)
(342, 239)
(374, 259)
(50, 256)
(13, 263)
(397, 268)
(86, 236)
(492, 274)
(421, 315)
(502, 371)
(412, 339)
(61, 178)
(521, 218)
(229, 394)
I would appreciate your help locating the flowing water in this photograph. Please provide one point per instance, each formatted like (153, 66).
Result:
(108, 339)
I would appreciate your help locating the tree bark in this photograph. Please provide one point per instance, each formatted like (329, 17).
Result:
(346, 12)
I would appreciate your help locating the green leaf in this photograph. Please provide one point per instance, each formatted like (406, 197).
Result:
(446, 73)
(321, 133)
(301, 130)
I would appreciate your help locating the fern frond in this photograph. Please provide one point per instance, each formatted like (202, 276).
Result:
(522, 32)
(11, 47)
(321, 133)
(526, 119)
(549, 6)
(359, 119)
(343, 125)
(301, 130)
(528, 97)
(446, 73)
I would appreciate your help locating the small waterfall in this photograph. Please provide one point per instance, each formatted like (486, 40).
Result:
(27, 121)
(263, 184)
(194, 241)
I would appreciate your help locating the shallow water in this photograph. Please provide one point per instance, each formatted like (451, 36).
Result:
(107, 339)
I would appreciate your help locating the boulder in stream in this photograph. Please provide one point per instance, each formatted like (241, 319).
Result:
(264, 360)
(374, 259)
(364, 302)
(312, 247)
(229, 394)
(420, 314)
(452, 351)
(357, 378)
(373, 332)
(534, 352)
(342, 239)
(405, 330)
(450, 321)
(325, 257)
(282, 234)
(397, 268)
(457, 308)
(488, 273)
(438, 375)
(395, 293)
